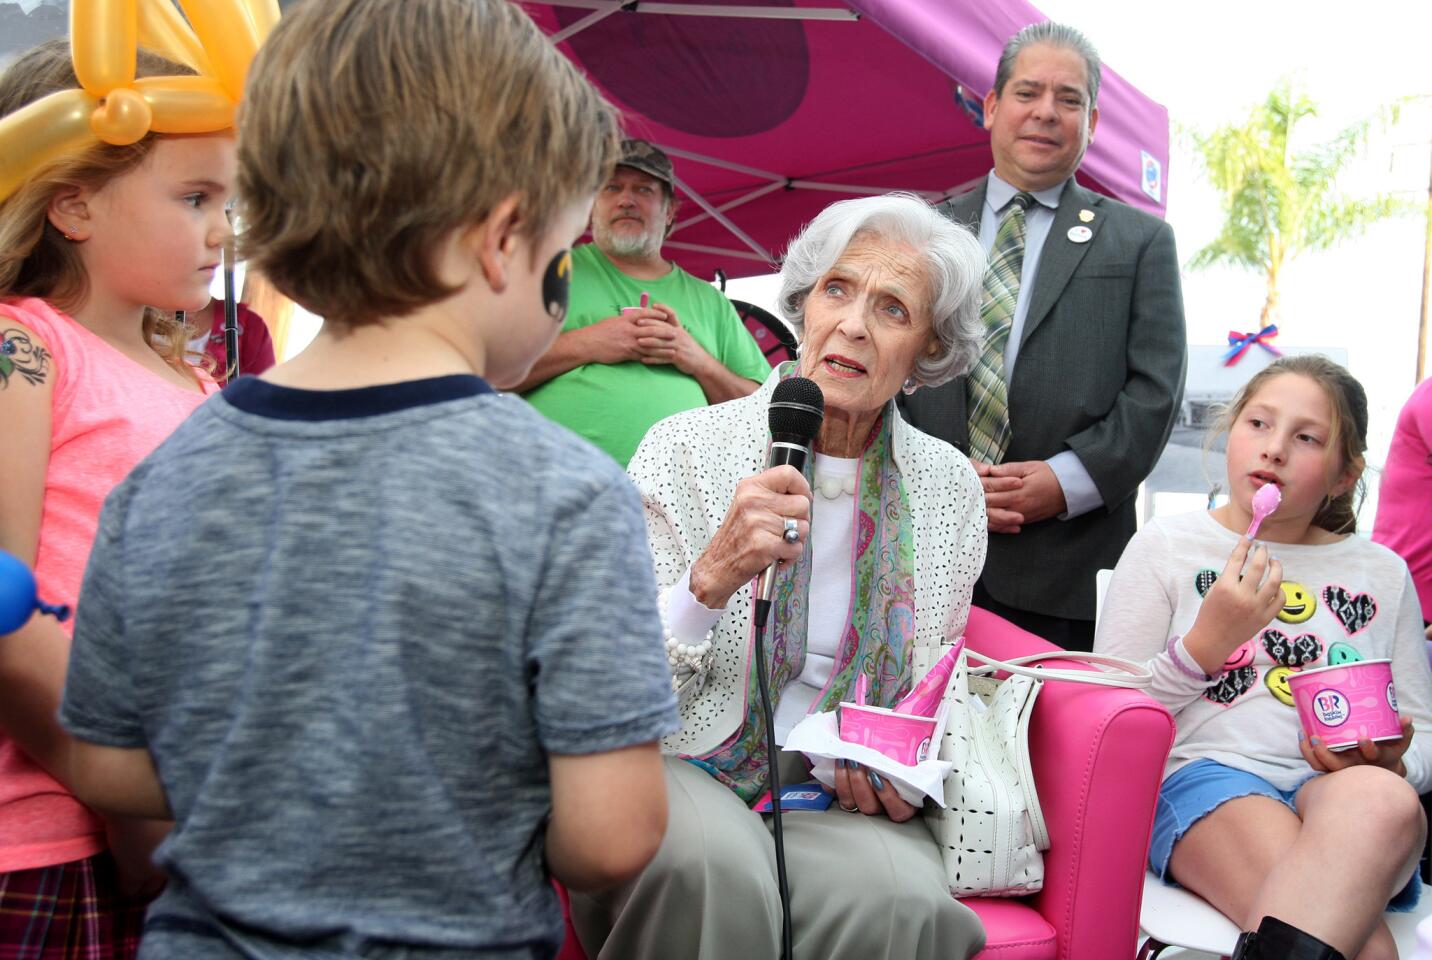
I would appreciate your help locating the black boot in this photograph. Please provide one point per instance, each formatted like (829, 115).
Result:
(1276, 940)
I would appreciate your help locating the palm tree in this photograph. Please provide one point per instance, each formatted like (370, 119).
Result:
(1276, 203)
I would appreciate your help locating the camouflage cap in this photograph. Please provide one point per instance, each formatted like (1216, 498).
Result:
(640, 155)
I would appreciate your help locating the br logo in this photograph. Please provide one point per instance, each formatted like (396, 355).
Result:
(1330, 707)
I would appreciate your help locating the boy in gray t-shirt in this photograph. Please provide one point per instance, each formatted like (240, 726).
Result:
(383, 643)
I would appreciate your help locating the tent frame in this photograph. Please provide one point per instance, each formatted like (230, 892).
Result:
(776, 182)
(601, 9)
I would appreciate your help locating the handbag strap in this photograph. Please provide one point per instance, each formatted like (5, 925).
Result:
(1130, 675)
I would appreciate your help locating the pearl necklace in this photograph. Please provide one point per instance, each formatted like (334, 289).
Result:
(831, 487)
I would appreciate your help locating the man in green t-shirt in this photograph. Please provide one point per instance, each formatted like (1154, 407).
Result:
(619, 367)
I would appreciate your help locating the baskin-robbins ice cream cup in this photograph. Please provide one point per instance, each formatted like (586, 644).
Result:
(1343, 704)
(902, 737)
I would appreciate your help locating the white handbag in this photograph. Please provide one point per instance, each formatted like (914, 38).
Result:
(991, 831)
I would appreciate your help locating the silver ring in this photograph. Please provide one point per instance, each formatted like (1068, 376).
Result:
(792, 532)
(848, 809)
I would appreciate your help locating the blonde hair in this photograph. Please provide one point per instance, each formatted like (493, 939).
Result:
(371, 129)
(1347, 438)
(35, 258)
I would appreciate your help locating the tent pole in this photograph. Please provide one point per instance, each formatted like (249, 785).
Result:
(859, 191)
(722, 219)
(594, 17)
(838, 14)
(754, 13)
(731, 204)
(720, 251)
(723, 164)
(782, 180)
(960, 189)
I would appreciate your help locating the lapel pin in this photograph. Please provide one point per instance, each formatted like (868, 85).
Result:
(1080, 234)
(1086, 216)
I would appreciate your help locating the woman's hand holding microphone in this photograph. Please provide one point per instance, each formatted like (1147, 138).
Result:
(752, 536)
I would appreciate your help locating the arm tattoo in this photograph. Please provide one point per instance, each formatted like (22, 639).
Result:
(19, 354)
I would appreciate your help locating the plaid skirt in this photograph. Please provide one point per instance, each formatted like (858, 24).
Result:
(71, 911)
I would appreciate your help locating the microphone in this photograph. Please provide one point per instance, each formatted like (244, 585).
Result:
(797, 409)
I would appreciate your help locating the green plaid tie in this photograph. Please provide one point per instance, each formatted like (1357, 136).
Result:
(986, 394)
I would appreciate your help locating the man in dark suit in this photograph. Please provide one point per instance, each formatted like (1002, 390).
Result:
(1088, 363)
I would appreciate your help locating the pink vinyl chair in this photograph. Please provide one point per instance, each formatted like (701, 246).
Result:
(1098, 756)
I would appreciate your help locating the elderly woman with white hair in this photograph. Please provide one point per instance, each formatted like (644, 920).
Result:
(884, 294)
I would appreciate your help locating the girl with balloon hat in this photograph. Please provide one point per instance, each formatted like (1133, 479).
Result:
(115, 165)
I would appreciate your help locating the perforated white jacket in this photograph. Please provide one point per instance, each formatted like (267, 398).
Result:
(687, 468)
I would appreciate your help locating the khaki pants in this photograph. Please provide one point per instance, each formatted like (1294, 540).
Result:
(862, 888)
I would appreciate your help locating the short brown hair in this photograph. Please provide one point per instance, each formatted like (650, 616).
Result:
(35, 259)
(371, 129)
(1348, 430)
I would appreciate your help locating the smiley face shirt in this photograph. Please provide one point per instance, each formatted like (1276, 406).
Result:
(1343, 601)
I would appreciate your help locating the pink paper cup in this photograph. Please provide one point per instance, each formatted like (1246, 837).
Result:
(1343, 704)
(900, 736)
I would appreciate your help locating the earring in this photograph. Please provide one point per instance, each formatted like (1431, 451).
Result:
(909, 386)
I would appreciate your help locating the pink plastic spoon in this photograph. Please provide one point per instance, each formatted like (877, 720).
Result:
(925, 699)
(862, 689)
(1265, 501)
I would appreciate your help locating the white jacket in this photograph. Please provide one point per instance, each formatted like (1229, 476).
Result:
(687, 468)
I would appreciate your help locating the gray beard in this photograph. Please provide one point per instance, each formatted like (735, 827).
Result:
(645, 245)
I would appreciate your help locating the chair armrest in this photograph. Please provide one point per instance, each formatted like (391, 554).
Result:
(1098, 755)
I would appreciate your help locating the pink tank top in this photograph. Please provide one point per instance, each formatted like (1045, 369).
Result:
(108, 413)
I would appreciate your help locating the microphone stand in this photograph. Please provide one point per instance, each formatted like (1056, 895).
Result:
(231, 316)
(797, 408)
(763, 613)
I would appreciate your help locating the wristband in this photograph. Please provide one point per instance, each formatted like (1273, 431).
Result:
(1183, 667)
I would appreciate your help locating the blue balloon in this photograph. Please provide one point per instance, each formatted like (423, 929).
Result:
(18, 598)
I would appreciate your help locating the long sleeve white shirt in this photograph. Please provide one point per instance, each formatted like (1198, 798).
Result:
(1352, 592)
(832, 538)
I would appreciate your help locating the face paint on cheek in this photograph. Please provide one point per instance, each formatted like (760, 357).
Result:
(557, 285)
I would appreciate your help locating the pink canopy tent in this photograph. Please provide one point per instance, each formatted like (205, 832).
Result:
(771, 110)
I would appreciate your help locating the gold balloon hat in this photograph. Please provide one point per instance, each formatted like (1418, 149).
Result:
(110, 105)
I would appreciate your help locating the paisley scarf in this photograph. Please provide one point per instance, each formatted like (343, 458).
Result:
(877, 637)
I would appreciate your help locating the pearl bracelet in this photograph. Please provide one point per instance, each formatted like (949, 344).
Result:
(691, 657)
(687, 659)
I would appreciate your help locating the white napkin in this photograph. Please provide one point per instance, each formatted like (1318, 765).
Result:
(817, 738)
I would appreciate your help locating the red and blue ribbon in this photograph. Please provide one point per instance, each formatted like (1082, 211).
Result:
(1239, 343)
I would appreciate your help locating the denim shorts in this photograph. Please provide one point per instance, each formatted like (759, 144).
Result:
(1195, 791)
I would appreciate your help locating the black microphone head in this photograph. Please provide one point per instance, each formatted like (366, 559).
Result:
(797, 409)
